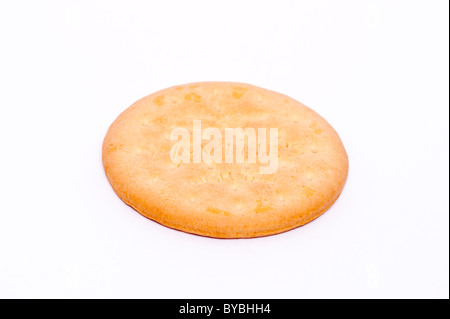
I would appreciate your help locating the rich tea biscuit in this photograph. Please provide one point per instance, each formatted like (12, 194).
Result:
(213, 196)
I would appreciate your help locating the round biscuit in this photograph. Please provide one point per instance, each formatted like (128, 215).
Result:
(225, 199)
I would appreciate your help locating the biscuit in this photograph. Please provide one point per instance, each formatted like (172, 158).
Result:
(210, 194)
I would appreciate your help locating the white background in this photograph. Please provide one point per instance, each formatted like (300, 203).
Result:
(376, 70)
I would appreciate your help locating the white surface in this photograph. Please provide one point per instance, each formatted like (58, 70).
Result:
(376, 70)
